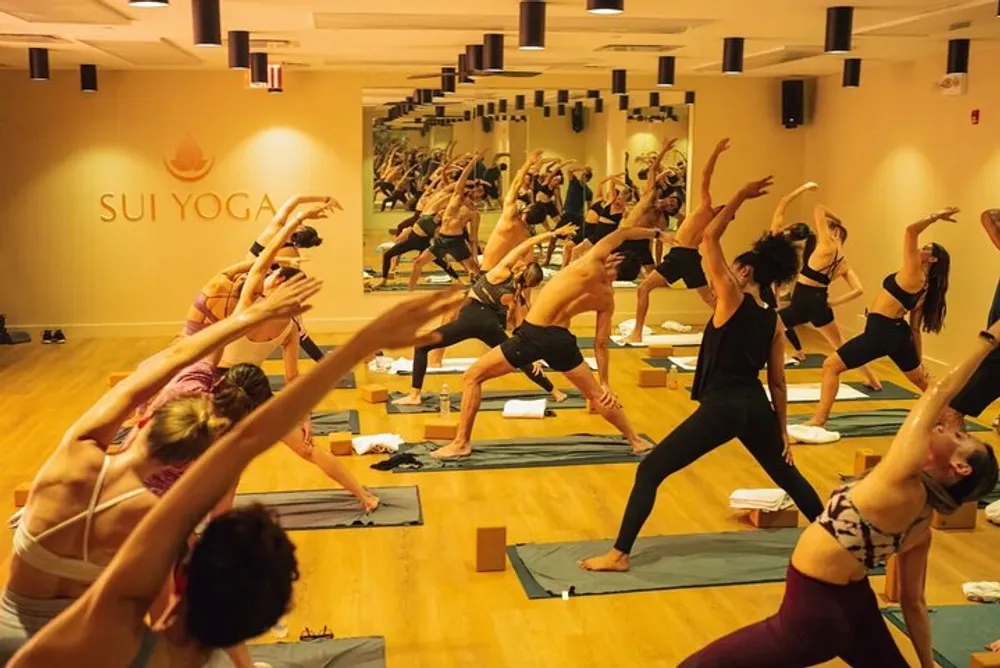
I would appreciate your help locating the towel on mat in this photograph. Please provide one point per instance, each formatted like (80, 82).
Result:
(376, 444)
(674, 326)
(982, 592)
(800, 433)
(521, 408)
(993, 512)
(626, 327)
(771, 500)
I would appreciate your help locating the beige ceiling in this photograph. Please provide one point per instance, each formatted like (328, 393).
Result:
(784, 37)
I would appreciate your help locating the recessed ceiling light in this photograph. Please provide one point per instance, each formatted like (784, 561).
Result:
(149, 3)
(605, 6)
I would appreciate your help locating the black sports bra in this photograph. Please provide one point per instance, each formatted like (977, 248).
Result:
(492, 294)
(256, 249)
(908, 300)
(604, 214)
(823, 276)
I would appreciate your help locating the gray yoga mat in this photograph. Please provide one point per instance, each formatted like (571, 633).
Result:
(958, 630)
(348, 382)
(885, 422)
(587, 343)
(492, 401)
(402, 287)
(303, 355)
(325, 423)
(338, 509)
(528, 453)
(331, 653)
(890, 392)
(812, 361)
(17, 337)
(546, 570)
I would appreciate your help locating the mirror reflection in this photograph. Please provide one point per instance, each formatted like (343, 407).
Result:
(450, 174)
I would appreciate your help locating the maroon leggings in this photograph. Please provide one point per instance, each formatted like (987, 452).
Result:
(817, 622)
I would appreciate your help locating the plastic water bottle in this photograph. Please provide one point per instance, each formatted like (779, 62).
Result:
(445, 399)
(673, 378)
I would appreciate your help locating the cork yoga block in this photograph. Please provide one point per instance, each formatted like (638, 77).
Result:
(985, 660)
(661, 352)
(652, 377)
(782, 519)
(891, 587)
(491, 549)
(21, 495)
(341, 442)
(440, 430)
(865, 459)
(963, 518)
(117, 377)
(374, 394)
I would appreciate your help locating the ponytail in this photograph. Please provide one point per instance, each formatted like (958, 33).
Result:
(935, 305)
(182, 429)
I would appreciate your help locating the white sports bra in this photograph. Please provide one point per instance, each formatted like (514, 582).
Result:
(245, 351)
(30, 549)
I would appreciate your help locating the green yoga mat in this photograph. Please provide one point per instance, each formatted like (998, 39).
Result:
(587, 343)
(492, 401)
(890, 392)
(958, 630)
(338, 509)
(348, 382)
(812, 361)
(546, 570)
(885, 422)
(527, 453)
(303, 355)
(325, 423)
(320, 653)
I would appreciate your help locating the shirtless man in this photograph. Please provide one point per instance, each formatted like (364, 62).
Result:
(583, 286)
(682, 264)
(458, 214)
(416, 234)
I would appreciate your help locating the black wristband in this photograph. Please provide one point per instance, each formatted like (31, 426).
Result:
(987, 336)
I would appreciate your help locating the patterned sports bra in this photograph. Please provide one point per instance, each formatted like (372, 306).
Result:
(863, 540)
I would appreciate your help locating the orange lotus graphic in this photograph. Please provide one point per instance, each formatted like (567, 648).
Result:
(189, 163)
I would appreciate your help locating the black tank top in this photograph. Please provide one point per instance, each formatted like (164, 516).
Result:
(733, 355)
(909, 300)
(492, 294)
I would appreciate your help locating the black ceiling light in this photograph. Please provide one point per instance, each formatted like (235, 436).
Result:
(531, 33)
(258, 69)
(463, 69)
(666, 71)
(436, 93)
(732, 55)
(467, 115)
(578, 107)
(599, 106)
(480, 110)
(852, 72)
(275, 78)
(491, 109)
(605, 6)
(426, 96)
(439, 111)
(689, 97)
(239, 50)
(38, 64)
(539, 98)
(547, 112)
(654, 99)
(839, 26)
(493, 52)
(593, 94)
(562, 97)
(207, 22)
(474, 57)
(88, 78)
(562, 109)
(503, 106)
(958, 56)
(623, 103)
(448, 79)
(148, 3)
(519, 101)
(619, 82)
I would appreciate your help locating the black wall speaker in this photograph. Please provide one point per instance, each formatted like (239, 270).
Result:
(793, 102)
(576, 117)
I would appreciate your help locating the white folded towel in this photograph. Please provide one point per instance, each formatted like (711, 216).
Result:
(386, 246)
(623, 284)
(376, 443)
(800, 433)
(438, 279)
(811, 392)
(760, 499)
(685, 363)
(548, 273)
(982, 592)
(382, 364)
(993, 512)
(690, 339)
(674, 326)
(524, 408)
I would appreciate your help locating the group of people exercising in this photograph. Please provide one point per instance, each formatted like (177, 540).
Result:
(108, 539)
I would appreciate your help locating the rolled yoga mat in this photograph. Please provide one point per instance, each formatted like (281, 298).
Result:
(348, 382)
(303, 355)
(492, 401)
(546, 570)
(528, 453)
(687, 364)
(688, 339)
(958, 630)
(327, 653)
(338, 509)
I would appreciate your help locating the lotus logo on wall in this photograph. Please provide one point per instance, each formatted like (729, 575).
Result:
(189, 164)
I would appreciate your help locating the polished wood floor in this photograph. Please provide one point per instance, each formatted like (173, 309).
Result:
(417, 586)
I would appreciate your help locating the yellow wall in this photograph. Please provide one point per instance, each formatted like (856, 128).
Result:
(895, 150)
(64, 266)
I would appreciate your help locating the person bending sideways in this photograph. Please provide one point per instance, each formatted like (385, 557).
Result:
(829, 609)
(84, 501)
(236, 581)
(585, 285)
(743, 336)
(918, 289)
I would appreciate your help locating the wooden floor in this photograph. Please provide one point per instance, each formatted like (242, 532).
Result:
(417, 586)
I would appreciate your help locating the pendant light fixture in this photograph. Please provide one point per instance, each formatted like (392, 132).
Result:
(491, 109)
(426, 96)
(654, 99)
(623, 103)
(593, 94)
(599, 106)
(275, 78)
(531, 30)
(666, 71)
(480, 110)
(689, 97)
(148, 3)
(463, 69)
(88, 78)
(562, 97)
(605, 6)
(207, 22)
(619, 82)
(239, 50)
(519, 101)
(839, 26)
(503, 106)
(474, 57)
(258, 69)
(578, 107)
(562, 109)
(467, 114)
(493, 52)
(852, 72)
(732, 55)
(448, 79)
(548, 112)
(38, 64)
(958, 56)
(539, 98)
(439, 111)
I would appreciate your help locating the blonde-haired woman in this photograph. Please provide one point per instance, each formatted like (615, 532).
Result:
(84, 502)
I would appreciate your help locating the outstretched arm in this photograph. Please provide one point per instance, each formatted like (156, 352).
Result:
(823, 220)
(608, 244)
(456, 199)
(508, 261)
(991, 223)
(911, 238)
(515, 184)
(778, 223)
(255, 277)
(654, 166)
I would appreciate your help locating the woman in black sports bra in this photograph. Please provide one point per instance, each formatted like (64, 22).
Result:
(918, 289)
(822, 263)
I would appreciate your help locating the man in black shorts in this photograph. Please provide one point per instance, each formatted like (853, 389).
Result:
(585, 285)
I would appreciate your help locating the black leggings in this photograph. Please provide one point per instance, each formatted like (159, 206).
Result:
(414, 242)
(475, 321)
(743, 413)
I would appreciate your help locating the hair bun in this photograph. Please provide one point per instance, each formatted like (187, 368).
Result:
(216, 424)
(319, 242)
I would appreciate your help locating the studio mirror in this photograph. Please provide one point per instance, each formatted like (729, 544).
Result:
(594, 162)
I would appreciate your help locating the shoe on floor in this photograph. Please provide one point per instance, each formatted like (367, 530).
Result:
(58, 336)
(47, 336)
